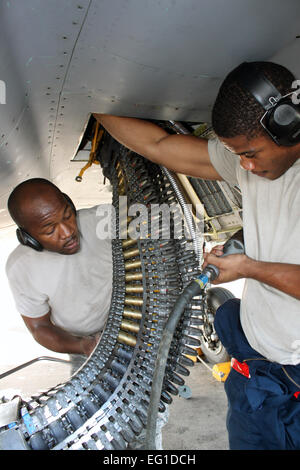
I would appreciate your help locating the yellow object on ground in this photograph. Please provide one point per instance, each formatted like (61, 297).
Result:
(221, 371)
(195, 358)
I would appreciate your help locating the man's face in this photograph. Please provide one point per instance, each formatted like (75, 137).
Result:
(53, 223)
(262, 156)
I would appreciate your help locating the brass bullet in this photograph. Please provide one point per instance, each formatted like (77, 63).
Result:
(129, 242)
(134, 276)
(131, 253)
(133, 301)
(126, 338)
(130, 326)
(130, 313)
(132, 265)
(134, 289)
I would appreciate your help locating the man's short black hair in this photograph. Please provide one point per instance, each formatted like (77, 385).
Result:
(14, 203)
(236, 111)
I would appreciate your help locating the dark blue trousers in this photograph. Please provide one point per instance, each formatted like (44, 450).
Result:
(263, 410)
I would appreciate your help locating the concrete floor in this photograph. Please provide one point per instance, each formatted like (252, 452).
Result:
(194, 423)
(198, 423)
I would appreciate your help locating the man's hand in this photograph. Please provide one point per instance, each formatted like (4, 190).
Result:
(88, 343)
(56, 339)
(282, 276)
(231, 267)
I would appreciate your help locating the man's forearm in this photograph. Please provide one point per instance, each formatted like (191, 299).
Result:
(58, 340)
(185, 154)
(281, 276)
(136, 134)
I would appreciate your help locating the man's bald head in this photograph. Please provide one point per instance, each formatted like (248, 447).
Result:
(26, 199)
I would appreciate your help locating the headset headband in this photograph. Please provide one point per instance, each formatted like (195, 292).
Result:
(281, 119)
(261, 88)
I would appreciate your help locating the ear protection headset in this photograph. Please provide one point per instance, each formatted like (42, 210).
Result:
(26, 239)
(281, 119)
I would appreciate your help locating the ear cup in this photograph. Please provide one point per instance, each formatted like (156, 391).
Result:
(284, 123)
(282, 118)
(27, 240)
(284, 115)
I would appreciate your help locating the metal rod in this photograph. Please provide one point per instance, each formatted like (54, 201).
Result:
(26, 364)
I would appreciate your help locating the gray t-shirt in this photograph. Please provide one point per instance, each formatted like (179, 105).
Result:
(77, 288)
(271, 222)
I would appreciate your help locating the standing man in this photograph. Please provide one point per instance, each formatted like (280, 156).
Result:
(258, 148)
(61, 273)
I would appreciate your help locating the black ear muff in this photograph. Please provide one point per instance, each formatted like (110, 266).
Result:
(284, 123)
(281, 119)
(27, 240)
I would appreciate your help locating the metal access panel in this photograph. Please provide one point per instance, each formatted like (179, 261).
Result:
(60, 61)
(158, 59)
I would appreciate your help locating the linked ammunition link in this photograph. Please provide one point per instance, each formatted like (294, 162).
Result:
(104, 405)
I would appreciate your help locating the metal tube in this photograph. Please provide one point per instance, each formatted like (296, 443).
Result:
(133, 277)
(132, 265)
(126, 338)
(26, 364)
(183, 300)
(130, 313)
(130, 326)
(134, 289)
(129, 242)
(179, 127)
(133, 301)
(131, 253)
(187, 213)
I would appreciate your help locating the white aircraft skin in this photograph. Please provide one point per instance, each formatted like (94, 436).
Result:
(62, 61)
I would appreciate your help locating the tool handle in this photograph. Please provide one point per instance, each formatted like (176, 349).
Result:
(233, 246)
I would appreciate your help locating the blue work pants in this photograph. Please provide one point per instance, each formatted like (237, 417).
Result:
(263, 410)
